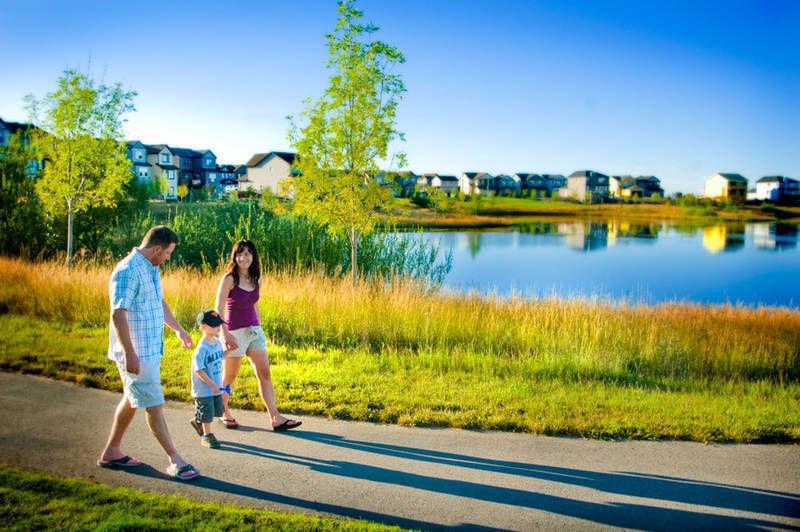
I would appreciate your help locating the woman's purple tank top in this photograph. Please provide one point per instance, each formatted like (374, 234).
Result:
(240, 308)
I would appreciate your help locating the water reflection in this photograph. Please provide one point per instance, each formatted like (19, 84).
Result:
(718, 238)
(752, 263)
(775, 236)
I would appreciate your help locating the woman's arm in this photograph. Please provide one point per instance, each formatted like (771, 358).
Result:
(223, 291)
(258, 310)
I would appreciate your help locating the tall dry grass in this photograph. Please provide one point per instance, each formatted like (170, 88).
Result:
(558, 338)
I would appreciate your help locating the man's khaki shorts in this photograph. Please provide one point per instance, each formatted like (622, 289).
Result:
(143, 390)
(250, 339)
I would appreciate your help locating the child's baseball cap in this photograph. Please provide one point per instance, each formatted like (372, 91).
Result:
(210, 318)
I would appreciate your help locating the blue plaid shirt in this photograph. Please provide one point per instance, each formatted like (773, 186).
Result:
(135, 286)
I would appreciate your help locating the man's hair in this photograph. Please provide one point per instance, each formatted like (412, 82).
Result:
(160, 235)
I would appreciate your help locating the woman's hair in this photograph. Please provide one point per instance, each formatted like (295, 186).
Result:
(254, 272)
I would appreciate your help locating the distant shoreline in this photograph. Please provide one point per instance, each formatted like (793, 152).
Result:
(505, 212)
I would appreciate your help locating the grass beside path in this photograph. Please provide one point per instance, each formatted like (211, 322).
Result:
(430, 389)
(35, 501)
(398, 353)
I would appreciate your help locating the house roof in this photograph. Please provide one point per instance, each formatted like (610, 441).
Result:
(155, 148)
(586, 173)
(774, 179)
(733, 177)
(553, 176)
(471, 175)
(258, 158)
(13, 127)
(524, 175)
(448, 177)
(168, 166)
(186, 152)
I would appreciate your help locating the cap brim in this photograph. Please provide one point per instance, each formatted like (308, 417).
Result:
(214, 322)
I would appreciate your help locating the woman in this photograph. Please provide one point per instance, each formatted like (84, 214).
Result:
(237, 298)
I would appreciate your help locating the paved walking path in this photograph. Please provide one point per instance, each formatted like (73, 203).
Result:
(419, 478)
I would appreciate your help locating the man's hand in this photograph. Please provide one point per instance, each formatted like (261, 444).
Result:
(132, 363)
(186, 340)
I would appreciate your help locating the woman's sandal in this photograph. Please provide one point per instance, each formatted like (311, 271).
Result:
(229, 423)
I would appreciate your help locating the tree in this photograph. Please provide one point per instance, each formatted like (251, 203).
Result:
(80, 141)
(346, 132)
(22, 227)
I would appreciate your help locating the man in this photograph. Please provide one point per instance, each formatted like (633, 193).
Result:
(136, 344)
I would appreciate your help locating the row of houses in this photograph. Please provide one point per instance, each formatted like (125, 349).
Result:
(177, 170)
(730, 187)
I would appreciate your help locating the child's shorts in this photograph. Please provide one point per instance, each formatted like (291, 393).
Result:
(249, 339)
(207, 408)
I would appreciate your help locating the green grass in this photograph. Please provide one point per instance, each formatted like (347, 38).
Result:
(399, 353)
(439, 388)
(34, 501)
(506, 211)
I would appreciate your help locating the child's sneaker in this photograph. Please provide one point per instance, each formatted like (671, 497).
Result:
(210, 441)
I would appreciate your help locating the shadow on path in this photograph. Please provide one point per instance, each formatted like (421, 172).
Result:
(215, 484)
(622, 483)
(613, 514)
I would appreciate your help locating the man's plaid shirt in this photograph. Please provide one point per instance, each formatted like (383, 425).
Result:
(135, 286)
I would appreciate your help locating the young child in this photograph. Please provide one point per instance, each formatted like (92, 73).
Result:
(207, 377)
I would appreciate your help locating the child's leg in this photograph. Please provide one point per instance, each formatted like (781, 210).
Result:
(207, 429)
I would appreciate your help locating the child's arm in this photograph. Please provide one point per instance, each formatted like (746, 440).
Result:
(203, 376)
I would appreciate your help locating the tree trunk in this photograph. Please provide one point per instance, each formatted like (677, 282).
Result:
(354, 255)
(69, 237)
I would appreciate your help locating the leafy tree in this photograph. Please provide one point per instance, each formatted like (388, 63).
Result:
(22, 225)
(346, 132)
(80, 140)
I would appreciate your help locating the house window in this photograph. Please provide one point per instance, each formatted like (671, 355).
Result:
(208, 162)
(164, 158)
(139, 155)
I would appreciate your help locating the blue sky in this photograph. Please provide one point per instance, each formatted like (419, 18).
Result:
(673, 89)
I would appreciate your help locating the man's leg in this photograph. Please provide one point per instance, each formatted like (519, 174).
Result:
(158, 426)
(122, 419)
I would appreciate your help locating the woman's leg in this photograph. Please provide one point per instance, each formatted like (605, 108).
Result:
(230, 369)
(260, 362)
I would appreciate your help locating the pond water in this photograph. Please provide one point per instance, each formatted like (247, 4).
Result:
(752, 264)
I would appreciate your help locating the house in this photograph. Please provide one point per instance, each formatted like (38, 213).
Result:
(162, 159)
(626, 186)
(505, 185)
(141, 167)
(586, 186)
(555, 182)
(8, 130)
(535, 185)
(403, 184)
(726, 187)
(445, 183)
(777, 188)
(267, 171)
(475, 182)
(227, 179)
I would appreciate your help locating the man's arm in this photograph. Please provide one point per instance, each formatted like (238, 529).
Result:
(172, 323)
(120, 320)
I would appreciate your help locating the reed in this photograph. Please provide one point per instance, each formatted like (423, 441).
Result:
(571, 338)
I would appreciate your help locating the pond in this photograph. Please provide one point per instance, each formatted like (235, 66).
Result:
(752, 264)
